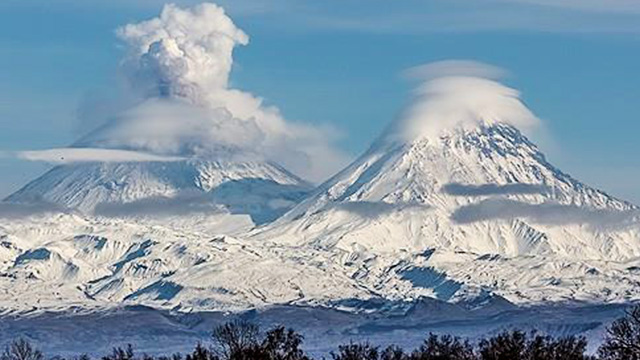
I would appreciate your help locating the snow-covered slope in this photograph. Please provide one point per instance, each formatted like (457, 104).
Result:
(463, 212)
(259, 189)
(473, 215)
(64, 261)
(465, 216)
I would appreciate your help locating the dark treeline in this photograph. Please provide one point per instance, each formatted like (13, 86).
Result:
(241, 340)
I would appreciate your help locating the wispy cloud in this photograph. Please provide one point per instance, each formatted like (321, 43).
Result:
(184, 203)
(12, 211)
(446, 68)
(376, 209)
(436, 16)
(253, 7)
(458, 189)
(235, 7)
(545, 213)
(412, 16)
(606, 6)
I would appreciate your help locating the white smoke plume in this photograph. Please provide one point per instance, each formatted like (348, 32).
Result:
(184, 53)
(180, 63)
(173, 127)
(178, 67)
(458, 95)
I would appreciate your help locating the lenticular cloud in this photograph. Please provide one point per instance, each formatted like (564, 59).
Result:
(459, 94)
(178, 67)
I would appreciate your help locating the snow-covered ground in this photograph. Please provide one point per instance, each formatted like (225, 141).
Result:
(469, 232)
(453, 221)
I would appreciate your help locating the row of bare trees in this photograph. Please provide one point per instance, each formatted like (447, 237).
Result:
(240, 340)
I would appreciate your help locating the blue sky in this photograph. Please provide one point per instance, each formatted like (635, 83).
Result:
(338, 63)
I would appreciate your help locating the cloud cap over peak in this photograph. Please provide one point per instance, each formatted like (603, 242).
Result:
(461, 94)
(454, 67)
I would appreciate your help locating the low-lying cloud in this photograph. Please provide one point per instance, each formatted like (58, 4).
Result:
(458, 189)
(185, 203)
(376, 209)
(232, 197)
(545, 213)
(79, 155)
(172, 126)
(13, 211)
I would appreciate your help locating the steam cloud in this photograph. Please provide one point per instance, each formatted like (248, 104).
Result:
(178, 67)
(461, 94)
(182, 53)
(183, 59)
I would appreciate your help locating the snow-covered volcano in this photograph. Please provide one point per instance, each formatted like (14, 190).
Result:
(453, 200)
(260, 189)
(464, 186)
(461, 211)
(471, 206)
(453, 210)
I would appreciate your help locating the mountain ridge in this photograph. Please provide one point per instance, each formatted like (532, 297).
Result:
(192, 185)
(450, 218)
